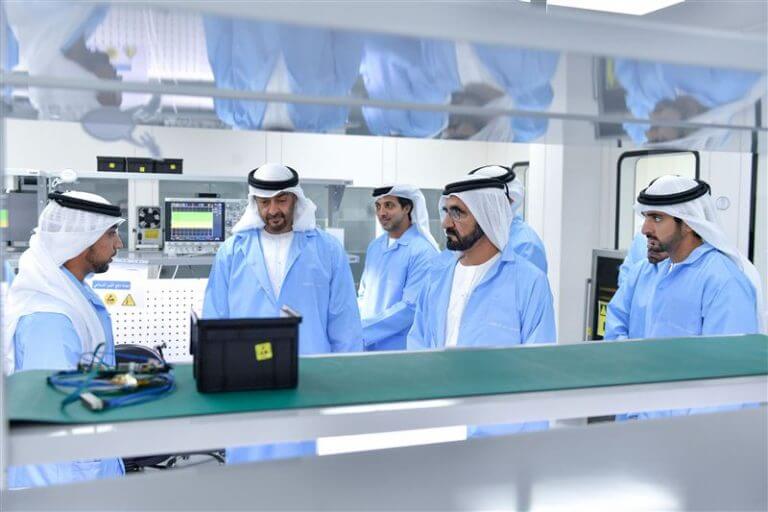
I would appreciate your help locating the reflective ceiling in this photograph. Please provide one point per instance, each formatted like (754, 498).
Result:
(261, 66)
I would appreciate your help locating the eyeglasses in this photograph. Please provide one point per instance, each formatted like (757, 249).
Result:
(456, 214)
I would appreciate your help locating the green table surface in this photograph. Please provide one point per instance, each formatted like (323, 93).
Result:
(378, 378)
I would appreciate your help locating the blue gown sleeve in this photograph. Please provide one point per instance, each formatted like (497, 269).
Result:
(361, 287)
(320, 62)
(731, 309)
(399, 316)
(525, 76)
(216, 301)
(242, 54)
(404, 69)
(417, 336)
(537, 323)
(617, 321)
(534, 253)
(37, 349)
(637, 251)
(345, 333)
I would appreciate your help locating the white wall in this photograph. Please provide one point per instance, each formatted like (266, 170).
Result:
(367, 161)
(729, 175)
(566, 193)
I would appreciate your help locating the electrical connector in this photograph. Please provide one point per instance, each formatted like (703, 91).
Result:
(125, 380)
(91, 401)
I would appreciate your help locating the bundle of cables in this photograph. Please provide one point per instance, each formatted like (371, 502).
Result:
(136, 378)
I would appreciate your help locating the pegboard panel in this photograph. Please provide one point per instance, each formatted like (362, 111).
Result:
(164, 318)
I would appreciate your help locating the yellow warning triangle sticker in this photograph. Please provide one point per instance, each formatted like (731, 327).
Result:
(129, 301)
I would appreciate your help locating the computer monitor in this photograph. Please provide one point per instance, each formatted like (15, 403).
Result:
(194, 220)
(22, 217)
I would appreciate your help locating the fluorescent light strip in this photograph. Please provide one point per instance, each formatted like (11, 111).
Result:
(633, 7)
(396, 406)
(366, 442)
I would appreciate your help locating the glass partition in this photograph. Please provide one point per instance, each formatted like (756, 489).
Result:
(521, 173)
(213, 68)
(635, 171)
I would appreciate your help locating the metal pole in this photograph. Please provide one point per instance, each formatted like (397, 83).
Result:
(4, 445)
(180, 89)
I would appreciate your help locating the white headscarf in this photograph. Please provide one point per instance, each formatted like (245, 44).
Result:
(491, 209)
(515, 188)
(43, 287)
(303, 215)
(700, 214)
(419, 215)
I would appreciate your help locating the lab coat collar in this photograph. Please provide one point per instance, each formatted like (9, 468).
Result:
(447, 266)
(297, 245)
(496, 267)
(404, 239)
(692, 258)
(256, 257)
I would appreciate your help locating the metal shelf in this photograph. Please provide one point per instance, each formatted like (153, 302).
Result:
(164, 177)
(41, 443)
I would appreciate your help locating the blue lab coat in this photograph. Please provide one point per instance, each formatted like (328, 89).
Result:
(391, 282)
(318, 285)
(511, 305)
(523, 241)
(48, 341)
(319, 62)
(705, 295)
(637, 251)
(404, 69)
(647, 83)
(526, 243)
(525, 75)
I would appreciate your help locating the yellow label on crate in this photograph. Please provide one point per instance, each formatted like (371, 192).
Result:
(601, 317)
(151, 234)
(173, 167)
(110, 299)
(129, 301)
(111, 165)
(142, 169)
(263, 351)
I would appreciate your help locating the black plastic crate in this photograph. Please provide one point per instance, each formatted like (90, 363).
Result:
(245, 354)
(143, 165)
(169, 166)
(110, 164)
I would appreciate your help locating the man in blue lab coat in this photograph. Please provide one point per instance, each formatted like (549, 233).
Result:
(53, 318)
(705, 287)
(276, 256)
(396, 264)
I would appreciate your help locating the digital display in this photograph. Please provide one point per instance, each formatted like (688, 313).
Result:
(194, 221)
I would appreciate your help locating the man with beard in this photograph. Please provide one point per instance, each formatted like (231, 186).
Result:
(642, 248)
(275, 257)
(396, 264)
(523, 240)
(53, 318)
(705, 287)
(485, 295)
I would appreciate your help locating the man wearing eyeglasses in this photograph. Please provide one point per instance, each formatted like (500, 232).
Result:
(485, 295)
